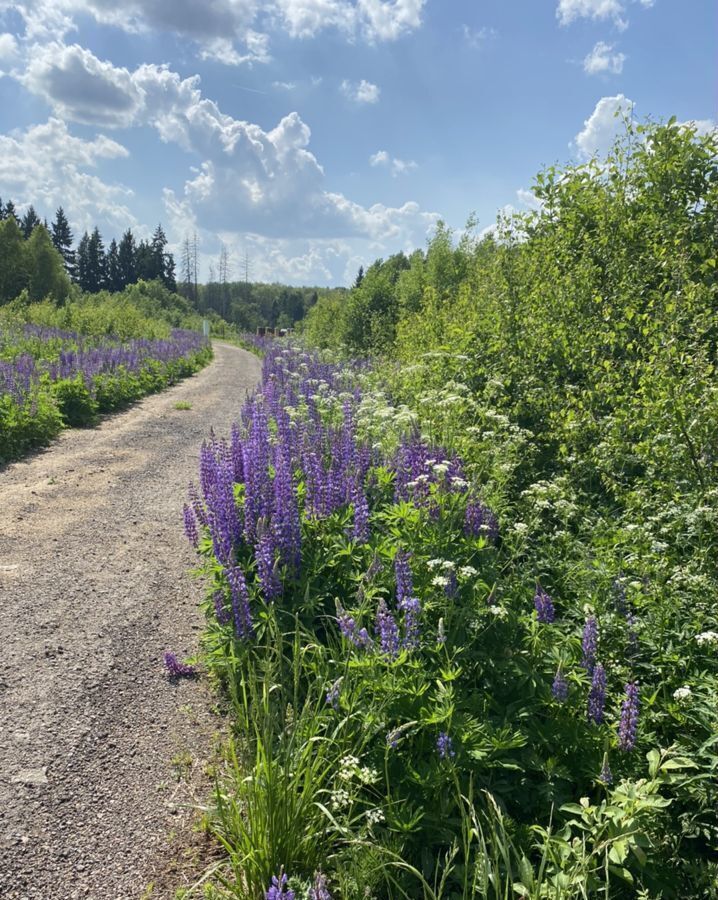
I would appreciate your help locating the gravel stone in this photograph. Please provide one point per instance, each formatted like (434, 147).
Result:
(94, 587)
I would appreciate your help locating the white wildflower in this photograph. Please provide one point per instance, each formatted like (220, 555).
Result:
(707, 637)
(440, 581)
(499, 611)
(447, 565)
(374, 816)
(467, 572)
(683, 693)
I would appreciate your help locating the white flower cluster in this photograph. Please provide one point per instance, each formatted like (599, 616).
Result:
(707, 637)
(682, 693)
(374, 816)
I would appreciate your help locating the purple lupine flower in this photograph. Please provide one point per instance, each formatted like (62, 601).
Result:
(190, 526)
(224, 616)
(347, 626)
(597, 695)
(445, 746)
(360, 530)
(196, 504)
(404, 579)
(411, 607)
(545, 611)
(559, 688)
(452, 584)
(266, 567)
(240, 602)
(285, 513)
(319, 890)
(278, 889)
(236, 454)
(629, 717)
(479, 521)
(387, 630)
(605, 776)
(589, 644)
(334, 693)
(175, 668)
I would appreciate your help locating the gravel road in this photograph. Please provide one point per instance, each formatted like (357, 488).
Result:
(100, 753)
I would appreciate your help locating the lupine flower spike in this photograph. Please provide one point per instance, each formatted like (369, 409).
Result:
(629, 718)
(175, 668)
(545, 611)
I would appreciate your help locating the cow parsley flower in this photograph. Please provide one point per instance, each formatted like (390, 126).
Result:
(682, 693)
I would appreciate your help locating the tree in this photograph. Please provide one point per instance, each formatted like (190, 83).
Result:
(13, 260)
(114, 274)
(127, 259)
(29, 222)
(62, 241)
(46, 267)
(10, 211)
(169, 279)
(82, 261)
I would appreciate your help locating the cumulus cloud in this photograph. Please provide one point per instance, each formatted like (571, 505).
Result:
(569, 10)
(46, 165)
(263, 181)
(602, 126)
(615, 10)
(82, 87)
(360, 92)
(232, 32)
(396, 166)
(603, 59)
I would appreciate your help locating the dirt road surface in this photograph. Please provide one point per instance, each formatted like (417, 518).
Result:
(95, 741)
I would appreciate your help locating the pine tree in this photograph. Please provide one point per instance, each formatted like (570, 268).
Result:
(127, 259)
(29, 222)
(10, 211)
(2, 211)
(114, 274)
(62, 241)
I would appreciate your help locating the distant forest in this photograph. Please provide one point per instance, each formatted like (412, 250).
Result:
(42, 259)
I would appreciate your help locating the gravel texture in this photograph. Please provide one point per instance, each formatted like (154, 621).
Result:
(101, 754)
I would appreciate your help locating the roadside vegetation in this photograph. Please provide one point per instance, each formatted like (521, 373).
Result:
(462, 597)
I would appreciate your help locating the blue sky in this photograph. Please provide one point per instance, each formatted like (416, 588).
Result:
(316, 135)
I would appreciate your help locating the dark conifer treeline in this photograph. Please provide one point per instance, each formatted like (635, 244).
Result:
(90, 265)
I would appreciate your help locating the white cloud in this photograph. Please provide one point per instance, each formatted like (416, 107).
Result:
(603, 59)
(602, 126)
(82, 87)
(376, 20)
(232, 32)
(529, 199)
(396, 166)
(569, 10)
(46, 165)
(361, 92)
(8, 48)
(702, 126)
(477, 37)
(284, 85)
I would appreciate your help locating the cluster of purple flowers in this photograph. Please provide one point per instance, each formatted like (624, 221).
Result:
(175, 668)
(589, 644)
(57, 355)
(285, 438)
(278, 889)
(628, 727)
(545, 611)
(559, 688)
(597, 695)
(445, 746)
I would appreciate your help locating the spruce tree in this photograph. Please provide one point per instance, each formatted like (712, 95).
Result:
(10, 211)
(29, 222)
(97, 264)
(83, 262)
(127, 260)
(159, 242)
(114, 275)
(62, 241)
